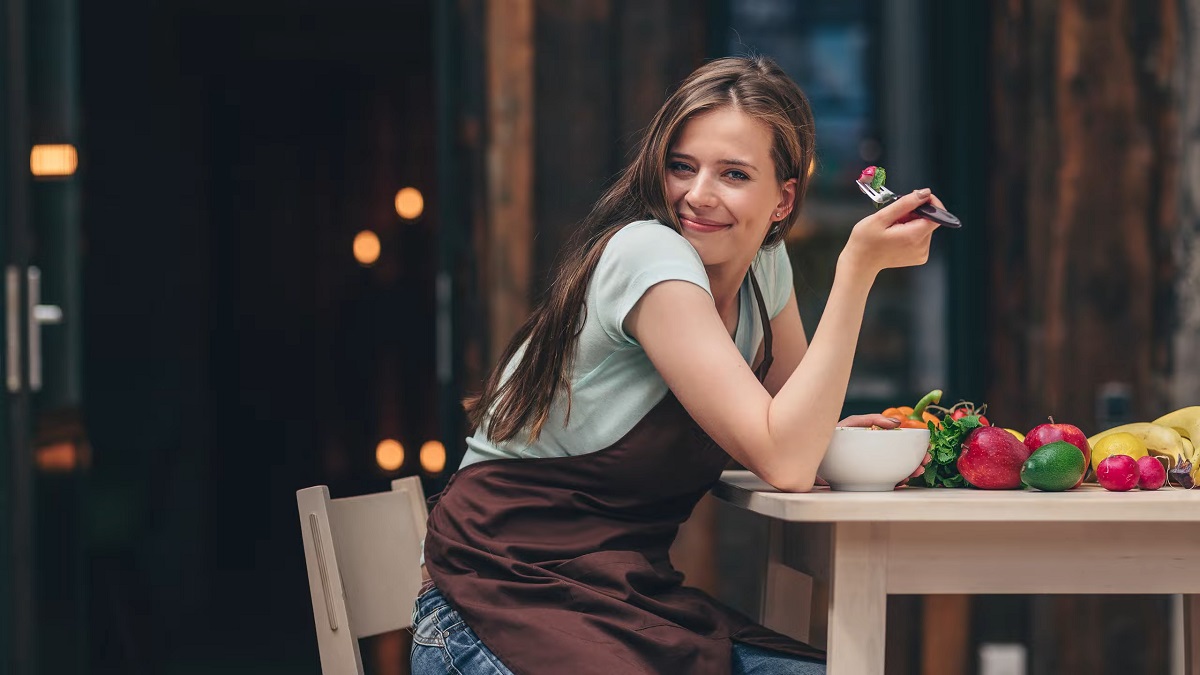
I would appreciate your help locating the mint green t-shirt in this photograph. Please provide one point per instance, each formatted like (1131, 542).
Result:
(613, 382)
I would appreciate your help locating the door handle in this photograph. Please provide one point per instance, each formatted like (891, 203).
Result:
(39, 314)
(12, 328)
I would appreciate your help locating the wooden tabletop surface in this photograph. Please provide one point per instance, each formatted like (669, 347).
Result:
(1085, 503)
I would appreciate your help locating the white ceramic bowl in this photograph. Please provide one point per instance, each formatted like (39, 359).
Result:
(872, 460)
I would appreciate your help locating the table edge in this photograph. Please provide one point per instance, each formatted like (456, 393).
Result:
(995, 507)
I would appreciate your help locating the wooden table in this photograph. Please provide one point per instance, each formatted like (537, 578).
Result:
(847, 551)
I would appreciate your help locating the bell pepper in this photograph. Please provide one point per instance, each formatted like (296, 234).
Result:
(918, 417)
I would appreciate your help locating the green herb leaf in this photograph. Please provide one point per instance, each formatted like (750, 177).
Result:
(945, 445)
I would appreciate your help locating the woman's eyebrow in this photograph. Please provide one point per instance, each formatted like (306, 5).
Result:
(731, 162)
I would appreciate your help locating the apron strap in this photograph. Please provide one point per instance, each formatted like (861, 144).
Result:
(765, 316)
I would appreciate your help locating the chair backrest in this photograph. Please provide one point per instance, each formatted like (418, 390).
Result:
(364, 566)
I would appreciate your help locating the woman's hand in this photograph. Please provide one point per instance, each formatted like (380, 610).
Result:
(892, 237)
(873, 420)
(885, 423)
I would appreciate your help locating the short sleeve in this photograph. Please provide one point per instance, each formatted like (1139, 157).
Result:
(773, 269)
(642, 254)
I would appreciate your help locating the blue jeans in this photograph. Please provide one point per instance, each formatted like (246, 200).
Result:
(444, 644)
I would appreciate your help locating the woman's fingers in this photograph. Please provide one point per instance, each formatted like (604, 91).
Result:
(912, 215)
(893, 236)
(904, 206)
(873, 420)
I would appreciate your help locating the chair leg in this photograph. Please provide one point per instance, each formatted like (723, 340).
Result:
(1191, 634)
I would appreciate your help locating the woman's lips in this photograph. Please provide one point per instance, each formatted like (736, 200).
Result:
(701, 225)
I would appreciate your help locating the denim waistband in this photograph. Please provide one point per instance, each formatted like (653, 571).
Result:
(429, 599)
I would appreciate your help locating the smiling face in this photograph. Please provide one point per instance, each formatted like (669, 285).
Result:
(721, 182)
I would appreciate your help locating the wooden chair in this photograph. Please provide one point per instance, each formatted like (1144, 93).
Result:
(363, 557)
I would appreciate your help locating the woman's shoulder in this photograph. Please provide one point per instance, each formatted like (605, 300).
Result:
(640, 255)
(644, 246)
(646, 233)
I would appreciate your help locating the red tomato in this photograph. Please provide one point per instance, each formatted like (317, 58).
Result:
(963, 412)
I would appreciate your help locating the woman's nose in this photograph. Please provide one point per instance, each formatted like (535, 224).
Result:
(701, 193)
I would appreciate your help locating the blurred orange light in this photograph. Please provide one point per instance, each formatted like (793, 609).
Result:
(57, 457)
(433, 456)
(389, 454)
(53, 160)
(366, 248)
(409, 203)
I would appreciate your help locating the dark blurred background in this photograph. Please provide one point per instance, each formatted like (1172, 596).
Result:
(288, 236)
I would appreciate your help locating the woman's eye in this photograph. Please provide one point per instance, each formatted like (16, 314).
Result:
(678, 166)
(738, 175)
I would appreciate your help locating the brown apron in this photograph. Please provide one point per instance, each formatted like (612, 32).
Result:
(561, 565)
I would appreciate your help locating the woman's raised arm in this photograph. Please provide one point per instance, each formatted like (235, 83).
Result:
(780, 438)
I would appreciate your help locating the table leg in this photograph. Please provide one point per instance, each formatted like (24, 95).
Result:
(858, 599)
(787, 593)
(1191, 634)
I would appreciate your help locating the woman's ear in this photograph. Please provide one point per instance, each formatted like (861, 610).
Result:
(787, 198)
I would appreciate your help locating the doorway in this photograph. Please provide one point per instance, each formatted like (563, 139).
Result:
(238, 350)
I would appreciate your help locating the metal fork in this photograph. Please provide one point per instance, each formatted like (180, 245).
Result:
(884, 196)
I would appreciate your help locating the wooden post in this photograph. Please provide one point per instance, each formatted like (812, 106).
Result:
(1083, 218)
(946, 635)
(508, 254)
(1186, 342)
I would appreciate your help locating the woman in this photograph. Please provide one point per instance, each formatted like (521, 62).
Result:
(669, 342)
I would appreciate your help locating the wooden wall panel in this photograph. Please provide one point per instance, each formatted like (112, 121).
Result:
(658, 44)
(1186, 348)
(508, 255)
(603, 69)
(1083, 206)
(576, 131)
(467, 184)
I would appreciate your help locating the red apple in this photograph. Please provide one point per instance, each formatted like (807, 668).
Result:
(1118, 473)
(1053, 431)
(991, 459)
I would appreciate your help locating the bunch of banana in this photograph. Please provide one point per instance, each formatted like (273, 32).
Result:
(1186, 422)
(1173, 437)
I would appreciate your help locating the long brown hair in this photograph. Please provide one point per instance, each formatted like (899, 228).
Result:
(754, 85)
